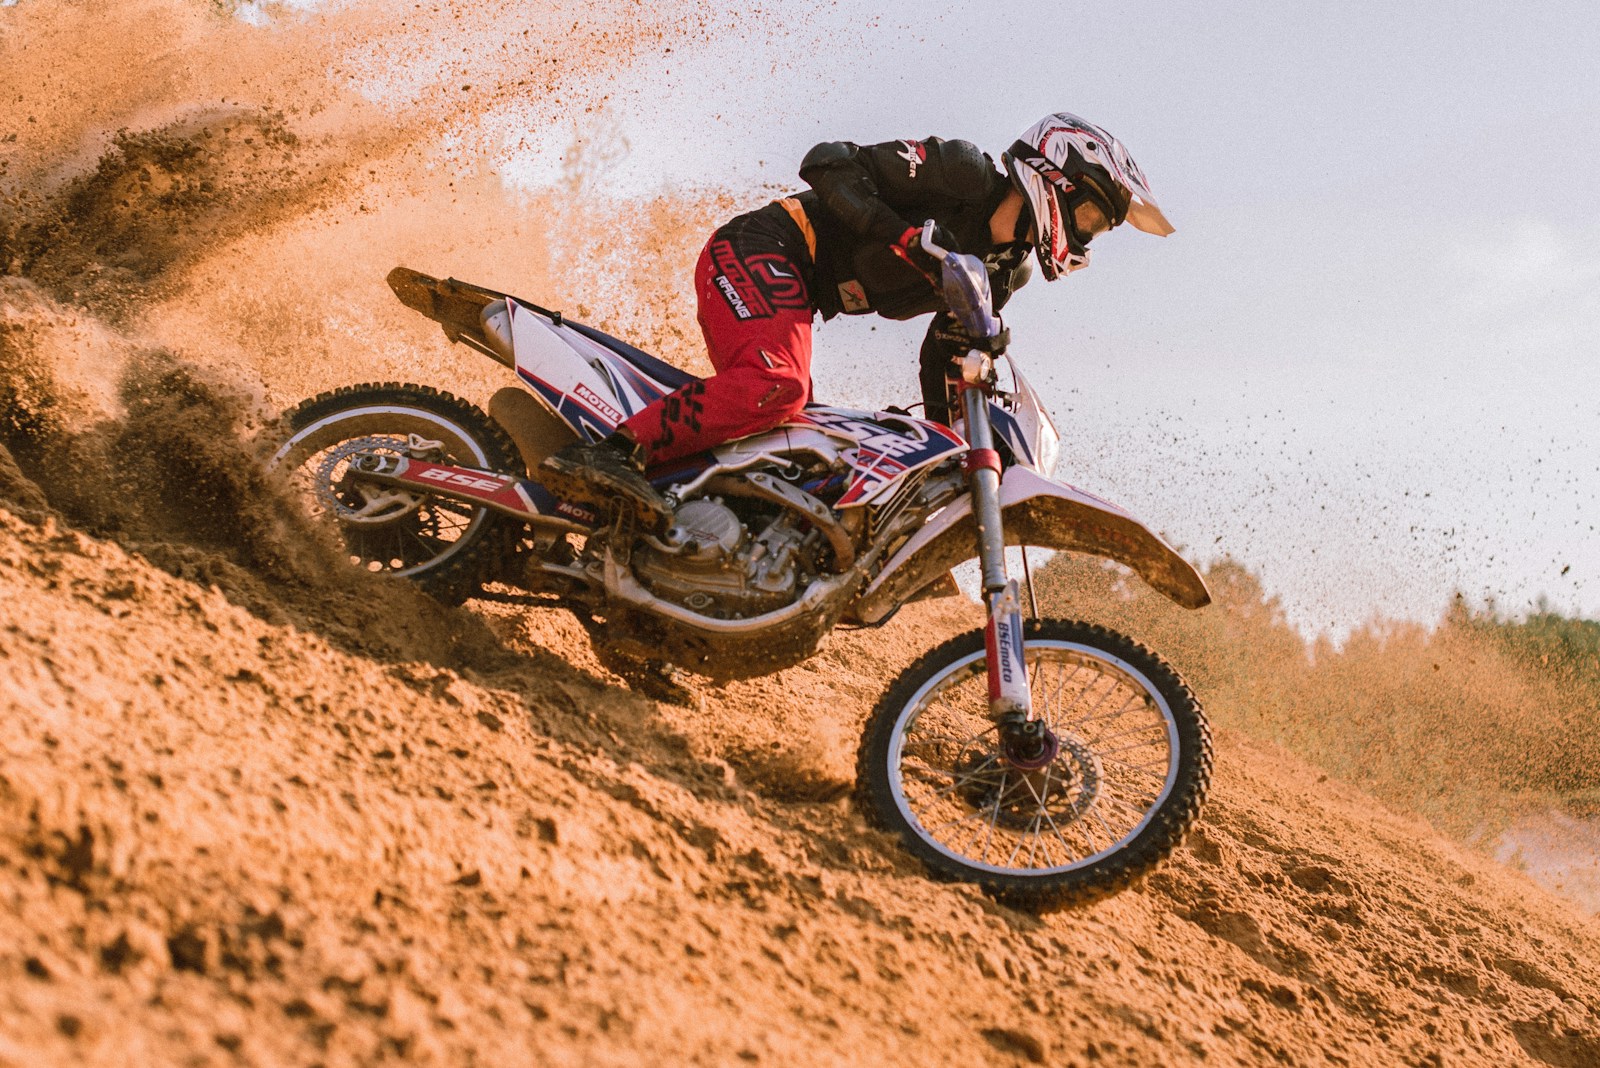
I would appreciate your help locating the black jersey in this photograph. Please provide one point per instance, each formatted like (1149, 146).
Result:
(863, 197)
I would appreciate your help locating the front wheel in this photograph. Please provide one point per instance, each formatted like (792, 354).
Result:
(1126, 783)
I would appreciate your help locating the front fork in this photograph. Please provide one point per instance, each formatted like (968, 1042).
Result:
(1024, 738)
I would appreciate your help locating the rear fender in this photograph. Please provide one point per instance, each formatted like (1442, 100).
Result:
(1037, 511)
(564, 369)
(551, 362)
(454, 305)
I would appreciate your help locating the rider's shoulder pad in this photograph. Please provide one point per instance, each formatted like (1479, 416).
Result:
(966, 170)
(827, 154)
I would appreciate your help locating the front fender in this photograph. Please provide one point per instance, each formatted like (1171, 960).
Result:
(1040, 512)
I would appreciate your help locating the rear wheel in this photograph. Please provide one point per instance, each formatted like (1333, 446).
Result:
(447, 547)
(1127, 775)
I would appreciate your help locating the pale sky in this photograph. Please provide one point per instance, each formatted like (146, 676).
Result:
(1365, 364)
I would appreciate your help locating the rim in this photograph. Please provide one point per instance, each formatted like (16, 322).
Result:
(400, 534)
(1117, 766)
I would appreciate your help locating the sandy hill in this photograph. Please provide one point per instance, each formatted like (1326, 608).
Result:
(250, 822)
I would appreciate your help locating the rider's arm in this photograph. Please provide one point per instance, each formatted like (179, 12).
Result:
(843, 179)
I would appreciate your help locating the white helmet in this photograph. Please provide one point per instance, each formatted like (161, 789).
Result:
(1062, 163)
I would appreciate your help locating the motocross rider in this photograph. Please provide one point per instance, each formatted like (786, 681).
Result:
(851, 244)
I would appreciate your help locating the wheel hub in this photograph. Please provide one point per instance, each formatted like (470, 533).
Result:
(342, 492)
(1028, 745)
(1056, 774)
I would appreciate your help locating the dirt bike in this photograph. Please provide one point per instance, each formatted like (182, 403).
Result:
(1050, 762)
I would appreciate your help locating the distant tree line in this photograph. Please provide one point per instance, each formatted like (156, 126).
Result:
(1467, 722)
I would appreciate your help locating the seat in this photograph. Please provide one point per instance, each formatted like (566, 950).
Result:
(662, 372)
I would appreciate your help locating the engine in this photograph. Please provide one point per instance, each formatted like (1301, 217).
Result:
(712, 563)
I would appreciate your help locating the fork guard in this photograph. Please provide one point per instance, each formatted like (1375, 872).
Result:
(1036, 511)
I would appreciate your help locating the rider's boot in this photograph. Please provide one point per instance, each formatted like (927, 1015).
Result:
(608, 472)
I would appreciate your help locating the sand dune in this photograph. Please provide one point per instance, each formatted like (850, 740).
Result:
(242, 823)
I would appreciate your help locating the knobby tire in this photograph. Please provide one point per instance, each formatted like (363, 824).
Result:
(486, 549)
(1147, 849)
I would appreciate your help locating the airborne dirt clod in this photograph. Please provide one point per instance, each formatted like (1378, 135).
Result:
(258, 809)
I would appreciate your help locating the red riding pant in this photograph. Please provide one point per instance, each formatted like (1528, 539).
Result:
(755, 313)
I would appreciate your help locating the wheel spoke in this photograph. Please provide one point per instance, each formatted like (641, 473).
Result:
(968, 778)
(1087, 686)
(930, 738)
(1155, 725)
(426, 548)
(387, 530)
(970, 816)
(1124, 748)
(1088, 835)
(1139, 811)
(1053, 703)
(1061, 837)
(1041, 813)
(1118, 714)
(978, 829)
(994, 822)
(928, 775)
(1155, 772)
(1089, 716)
(1022, 839)
(1146, 769)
